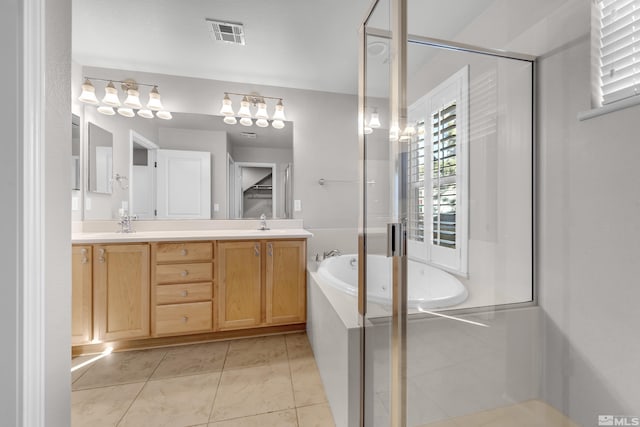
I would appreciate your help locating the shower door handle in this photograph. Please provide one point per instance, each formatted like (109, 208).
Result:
(396, 239)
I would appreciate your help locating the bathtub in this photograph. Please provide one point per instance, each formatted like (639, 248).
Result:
(428, 287)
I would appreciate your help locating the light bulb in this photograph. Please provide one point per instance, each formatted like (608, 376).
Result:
(88, 95)
(375, 120)
(104, 109)
(147, 114)
(227, 109)
(279, 113)
(246, 121)
(111, 96)
(230, 120)
(244, 110)
(126, 112)
(164, 115)
(367, 129)
(263, 123)
(154, 100)
(133, 99)
(278, 124)
(262, 112)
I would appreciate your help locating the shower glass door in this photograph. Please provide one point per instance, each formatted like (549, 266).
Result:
(450, 326)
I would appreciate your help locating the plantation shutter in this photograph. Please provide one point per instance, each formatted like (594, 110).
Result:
(619, 37)
(415, 225)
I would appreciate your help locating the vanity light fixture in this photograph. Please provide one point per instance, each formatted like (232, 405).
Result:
(132, 103)
(244, 113)
(372, 123)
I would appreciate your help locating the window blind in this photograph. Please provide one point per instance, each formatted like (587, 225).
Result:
(444, 185)
(415, 223)
(619, 36)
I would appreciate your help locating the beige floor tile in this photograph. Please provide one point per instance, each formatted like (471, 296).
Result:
(121, 368)
(259, 351)
(102, 406)
(174, 402)
(315, 416)
(445, 423)
(298, 346)
(76, 374)
(192, 359)
(252, 391)
(307, 385)
(273, 419)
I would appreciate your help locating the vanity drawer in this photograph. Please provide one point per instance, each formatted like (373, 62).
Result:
(183, 318)
(184, 292)
(184, 252)
(182, 273)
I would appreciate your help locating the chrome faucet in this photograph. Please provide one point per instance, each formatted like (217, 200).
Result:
(263, 223)
(332, 252)
(125, 223)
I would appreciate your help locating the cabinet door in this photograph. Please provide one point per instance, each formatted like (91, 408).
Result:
(239, 285)
(286, 282)
(81, 297)
(121, 286)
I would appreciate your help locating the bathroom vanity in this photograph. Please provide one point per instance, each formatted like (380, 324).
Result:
(168, 287)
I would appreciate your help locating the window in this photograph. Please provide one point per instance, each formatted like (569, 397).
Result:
(438, 174)
(617, 35)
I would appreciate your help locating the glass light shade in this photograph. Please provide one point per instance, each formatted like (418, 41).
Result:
(227, 109)
(262, 112)
(230, 120)
(263, 123)
(88, 95)
(154, 100)
(147, 114)
(278, 124)
(105, 109)
(111, 96)
(164, 115)
(244, 110)
(367, 129)
(375, 120)
(127, 112)
(279, 113)
(133, 99)
(246, 121)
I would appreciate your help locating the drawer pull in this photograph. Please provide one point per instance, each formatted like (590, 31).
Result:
(185, 273)
(185, 319)
(184, 293)
(85, 260)
(256, 249)
(270, 246)
(184, 252)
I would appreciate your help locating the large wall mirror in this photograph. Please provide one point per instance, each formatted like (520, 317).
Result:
(191, 167)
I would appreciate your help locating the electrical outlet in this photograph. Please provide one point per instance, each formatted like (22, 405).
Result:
(216, 207)
(297, 205)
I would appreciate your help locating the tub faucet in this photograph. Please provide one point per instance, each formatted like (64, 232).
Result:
(332, 252)
(263, 223)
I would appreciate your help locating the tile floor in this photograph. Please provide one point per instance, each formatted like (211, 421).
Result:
(255, 382)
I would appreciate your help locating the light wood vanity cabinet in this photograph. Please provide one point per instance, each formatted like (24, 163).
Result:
(121, 291)
(182, 295)
(261, 283)
(82, 295)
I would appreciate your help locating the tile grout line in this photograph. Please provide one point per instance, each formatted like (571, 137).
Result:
(215, 395)
(124, 414)
(293, 392)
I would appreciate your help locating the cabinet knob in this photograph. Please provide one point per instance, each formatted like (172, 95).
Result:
(183, 252)
(101, 259)
(185, 273)
(184, 293)
(83, 251)
(85, 260)
(101, 251)
(185, 319)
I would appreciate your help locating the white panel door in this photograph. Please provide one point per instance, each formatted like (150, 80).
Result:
(184, 184)
(142, 202)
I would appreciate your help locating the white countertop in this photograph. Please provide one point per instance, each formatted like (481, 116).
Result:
(164, 236)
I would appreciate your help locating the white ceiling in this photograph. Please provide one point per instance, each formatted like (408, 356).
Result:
(302, 44)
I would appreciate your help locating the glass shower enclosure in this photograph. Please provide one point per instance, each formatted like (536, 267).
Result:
(446, 256)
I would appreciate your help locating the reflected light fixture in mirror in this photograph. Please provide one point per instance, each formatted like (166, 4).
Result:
(261, 116)
(132, 103)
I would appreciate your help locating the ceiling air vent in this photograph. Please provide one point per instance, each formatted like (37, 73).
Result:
(226, 32)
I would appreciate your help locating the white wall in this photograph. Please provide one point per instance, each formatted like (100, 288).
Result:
(10, 216)
(209, 141)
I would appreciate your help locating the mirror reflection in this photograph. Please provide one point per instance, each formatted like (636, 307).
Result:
(75, 152)
(100, 160)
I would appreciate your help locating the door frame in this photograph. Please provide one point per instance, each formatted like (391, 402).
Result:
(274, 186)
